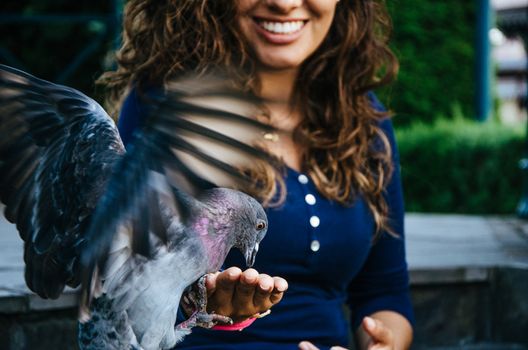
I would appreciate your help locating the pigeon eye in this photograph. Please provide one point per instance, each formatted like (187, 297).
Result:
(261, 226)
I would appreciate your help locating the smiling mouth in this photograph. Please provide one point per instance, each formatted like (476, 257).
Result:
(281, 28)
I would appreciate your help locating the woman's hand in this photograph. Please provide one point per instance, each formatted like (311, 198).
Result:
(240, 295)
(306, 345)
(380, 337)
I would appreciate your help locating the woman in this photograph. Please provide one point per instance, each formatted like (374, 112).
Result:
(338, 236)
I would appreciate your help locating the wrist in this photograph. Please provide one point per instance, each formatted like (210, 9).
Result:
(235, 326)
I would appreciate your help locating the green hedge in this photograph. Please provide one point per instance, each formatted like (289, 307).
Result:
(46, 49)
(460, 166)
(434, 41)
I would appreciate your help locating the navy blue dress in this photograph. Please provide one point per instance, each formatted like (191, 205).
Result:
(325, 252)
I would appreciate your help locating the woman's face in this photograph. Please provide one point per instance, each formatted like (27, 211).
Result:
(283, 33)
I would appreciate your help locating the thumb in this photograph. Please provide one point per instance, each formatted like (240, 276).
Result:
(377, 330)
(210, 283)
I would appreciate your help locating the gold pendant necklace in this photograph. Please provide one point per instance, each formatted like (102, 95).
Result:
(271, 136)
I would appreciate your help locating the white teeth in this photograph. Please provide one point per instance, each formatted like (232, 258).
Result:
(282, 27)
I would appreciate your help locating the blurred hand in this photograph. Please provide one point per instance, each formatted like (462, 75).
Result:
(381, 337)
(306, 345)
(241, 294)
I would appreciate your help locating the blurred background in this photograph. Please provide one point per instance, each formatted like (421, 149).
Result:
(460, 105)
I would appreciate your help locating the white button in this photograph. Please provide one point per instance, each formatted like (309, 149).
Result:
(315, 245)
(314, 221)
(303, 179)
(310, 199)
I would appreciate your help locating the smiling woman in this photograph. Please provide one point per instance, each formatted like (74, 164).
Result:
(336, 236)
(283, 38)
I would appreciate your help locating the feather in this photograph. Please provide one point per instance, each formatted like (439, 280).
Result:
(127, 226)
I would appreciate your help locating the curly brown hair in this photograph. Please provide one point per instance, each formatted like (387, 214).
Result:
(339, 133)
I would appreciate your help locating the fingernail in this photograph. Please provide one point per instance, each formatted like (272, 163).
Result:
(250, 278)
(282, 287)
(303, 346)
(265, 286)
(370, 323)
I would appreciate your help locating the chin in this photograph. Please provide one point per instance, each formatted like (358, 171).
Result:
(279, 63)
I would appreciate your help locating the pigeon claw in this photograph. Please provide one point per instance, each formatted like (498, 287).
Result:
(204, 320)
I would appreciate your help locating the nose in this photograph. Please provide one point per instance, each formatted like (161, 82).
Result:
(283, 6)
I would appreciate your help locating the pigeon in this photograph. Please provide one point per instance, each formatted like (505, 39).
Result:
(134, 229)
(141, 296)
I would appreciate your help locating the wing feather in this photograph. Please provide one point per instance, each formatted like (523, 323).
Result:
(43, 128)
(179, 133)
(69, 186)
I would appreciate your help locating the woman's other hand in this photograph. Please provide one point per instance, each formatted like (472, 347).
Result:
(380, 337)
(306, 345)
(242, 294)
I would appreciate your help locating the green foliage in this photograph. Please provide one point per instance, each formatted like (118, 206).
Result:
(46, 49)
(434, 41)
(460, 166)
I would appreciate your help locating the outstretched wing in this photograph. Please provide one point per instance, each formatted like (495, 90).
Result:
(69, 186)
(57, 150)
(198, 135)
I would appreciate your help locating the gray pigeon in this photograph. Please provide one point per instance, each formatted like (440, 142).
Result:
(141, 296)
(133, 228)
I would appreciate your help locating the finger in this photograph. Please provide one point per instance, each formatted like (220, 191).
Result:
(377, 330)
(263, 292)
(338, 348)
(210, 283)
(306, 345)
(244, 290)
(280, 287)
(225, 284)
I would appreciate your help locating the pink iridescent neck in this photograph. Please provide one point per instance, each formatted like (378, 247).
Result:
(213, 238)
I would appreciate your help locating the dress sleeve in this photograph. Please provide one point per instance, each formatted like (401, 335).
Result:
(383, 281)
(131, 117)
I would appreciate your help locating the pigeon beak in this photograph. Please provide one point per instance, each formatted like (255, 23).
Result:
(251, 255)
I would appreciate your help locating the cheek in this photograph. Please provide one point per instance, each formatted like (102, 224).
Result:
(324, 20)
(244, 26)
(245, 5)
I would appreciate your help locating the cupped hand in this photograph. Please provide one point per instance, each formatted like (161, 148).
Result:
(242, 294)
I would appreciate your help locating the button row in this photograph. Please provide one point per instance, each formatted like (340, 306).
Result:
(314, 220)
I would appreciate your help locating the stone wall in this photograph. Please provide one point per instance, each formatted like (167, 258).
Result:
(44, 330)
(492, 312)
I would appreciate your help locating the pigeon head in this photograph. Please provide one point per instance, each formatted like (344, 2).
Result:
(241, 220)
(248, 237)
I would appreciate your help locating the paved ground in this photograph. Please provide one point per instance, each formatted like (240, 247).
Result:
(441, 248)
